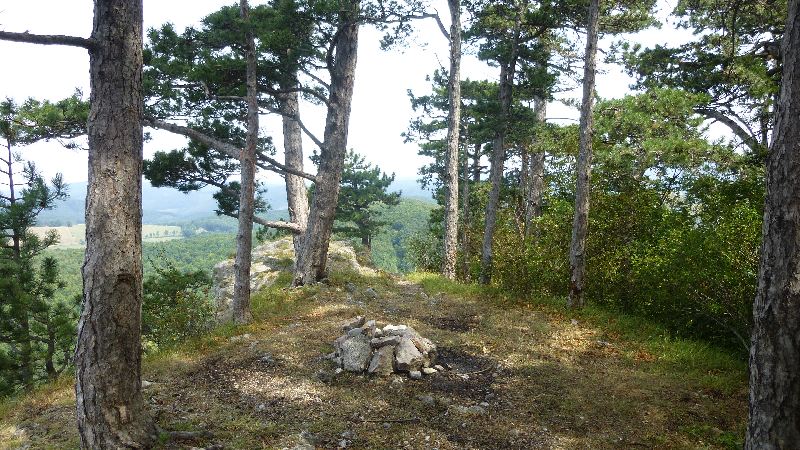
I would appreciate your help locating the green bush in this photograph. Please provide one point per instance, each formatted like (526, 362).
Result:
(177, 305)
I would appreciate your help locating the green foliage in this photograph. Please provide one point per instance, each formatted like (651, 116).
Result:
(177, 305)
(362, 189)
(405, 221)
(36, 328)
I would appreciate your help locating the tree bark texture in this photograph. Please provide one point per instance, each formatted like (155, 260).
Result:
(311, 262)
(247, 162)
(296, 192)
(507, 70)
(110, 408)
(453, 131)
(580, 222)
(535, 185)
(775, 351)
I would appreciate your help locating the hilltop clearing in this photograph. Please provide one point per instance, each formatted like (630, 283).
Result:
(521, 376)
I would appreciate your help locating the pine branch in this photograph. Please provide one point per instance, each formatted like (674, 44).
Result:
(45, 39)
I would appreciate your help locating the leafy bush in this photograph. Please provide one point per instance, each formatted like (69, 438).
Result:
(177, 305)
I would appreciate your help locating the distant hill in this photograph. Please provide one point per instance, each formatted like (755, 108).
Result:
(169, 206)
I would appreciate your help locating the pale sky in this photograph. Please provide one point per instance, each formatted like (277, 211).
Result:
(381, 109)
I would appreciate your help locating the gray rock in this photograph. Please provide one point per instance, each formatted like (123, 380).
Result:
(379, 342)
(407, 357)
(355, 353)
(415, 375)
(371, 293)
(355, 332)
(474, 410)
(351, 288)
(355, 322)
(439, 368)
(395, 330)
(381, 362)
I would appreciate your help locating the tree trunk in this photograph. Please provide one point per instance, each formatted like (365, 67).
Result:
(496, 171)
(465, 216)
(476, 165)
(453, 131)
(533, 201)
(110, 408)
(775, 351)
(580, 225)
(247, 162)
(296, 192)
(312, 259)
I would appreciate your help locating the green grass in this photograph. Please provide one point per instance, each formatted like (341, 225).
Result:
(713, 367)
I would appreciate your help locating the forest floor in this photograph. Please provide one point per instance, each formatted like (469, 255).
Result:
(522, 376)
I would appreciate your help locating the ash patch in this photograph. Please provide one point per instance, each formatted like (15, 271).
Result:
(458, 324)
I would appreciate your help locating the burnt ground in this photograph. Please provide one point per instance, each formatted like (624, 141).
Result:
(519, 378)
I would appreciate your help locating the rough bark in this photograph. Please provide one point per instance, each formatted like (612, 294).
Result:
(535, 192)
(451, 157)
(775, 351)
(110, 408)
(465, 216)
(507, 70)
(312, 259)
(580, 222)
(247, 163)
(296, 192)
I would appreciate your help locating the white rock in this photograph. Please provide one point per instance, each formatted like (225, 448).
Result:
(429, 370)
(407, 357)
(355, 353)
(415, 375)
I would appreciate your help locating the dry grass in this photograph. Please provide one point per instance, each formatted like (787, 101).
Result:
(548, 382)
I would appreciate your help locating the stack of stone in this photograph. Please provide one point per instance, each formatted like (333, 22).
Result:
(365, 346)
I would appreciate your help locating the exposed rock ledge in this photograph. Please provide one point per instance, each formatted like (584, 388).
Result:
(269, 261)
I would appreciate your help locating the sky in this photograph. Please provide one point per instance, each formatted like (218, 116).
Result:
(381, 109)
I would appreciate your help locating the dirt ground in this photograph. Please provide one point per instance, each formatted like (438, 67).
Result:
(520, 377)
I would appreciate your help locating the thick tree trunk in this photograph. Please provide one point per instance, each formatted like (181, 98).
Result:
(453, 131)
(312, 259)
(533, 201)
(580, 223)
(296, 192)
(110, 408)
(775, 351)
(247, 162)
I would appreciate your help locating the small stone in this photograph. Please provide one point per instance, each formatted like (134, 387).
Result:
(429, 370)
(348, 435)
(427, 399)
(415, 375)
(485, 404)
(343, 443)
(439, 367)
(395, 330)
(384, 341)
(262, 407)
(378, 332)
(387, 425)
(574, 322)
(355, 322)
(338, 370)
(146, 384)
(355, 332)
(474, 410)
(267, 359)
(351, 288)
(371, 293)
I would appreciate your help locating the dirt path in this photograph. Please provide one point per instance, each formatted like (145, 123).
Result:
(521, 377)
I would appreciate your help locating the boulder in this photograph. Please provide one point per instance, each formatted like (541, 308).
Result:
(355, 353)
(269, 261)
(407, 357)
(382, 361)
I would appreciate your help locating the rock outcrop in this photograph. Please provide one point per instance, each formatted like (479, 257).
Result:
(269, 261)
